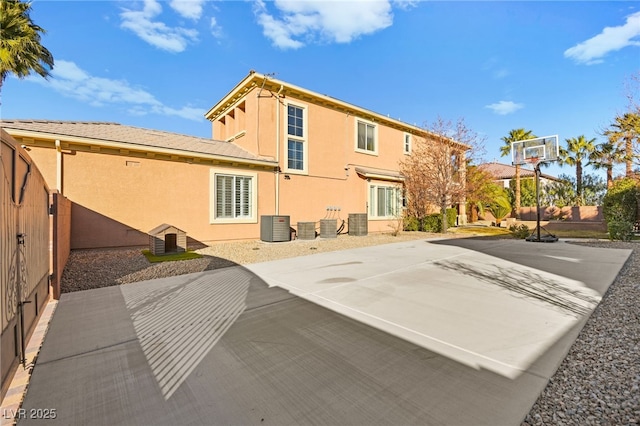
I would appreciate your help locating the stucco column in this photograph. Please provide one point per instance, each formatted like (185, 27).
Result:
(462, 204)
(59, 164)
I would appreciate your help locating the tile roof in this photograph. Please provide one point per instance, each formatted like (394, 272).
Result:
(507, 171)
(137, 137)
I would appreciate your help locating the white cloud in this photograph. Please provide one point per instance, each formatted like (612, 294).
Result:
(309, 20)
(72, 81)
(191, 9)
(504, 107)
(216, 29)
(609, 40)
(405, 4)
(158, 34)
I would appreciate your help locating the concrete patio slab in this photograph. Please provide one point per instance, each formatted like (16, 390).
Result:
(481, 310)
(221, 347)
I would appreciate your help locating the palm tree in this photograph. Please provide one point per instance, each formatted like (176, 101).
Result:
(578, 150)
(514, 136)
(20, 48)
(605, 156)
(623, 133)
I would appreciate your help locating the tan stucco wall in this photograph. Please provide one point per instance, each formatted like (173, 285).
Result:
(61, 239)
(118, 199)
(330, 178)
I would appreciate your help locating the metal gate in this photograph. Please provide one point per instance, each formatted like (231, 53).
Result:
(24, 251)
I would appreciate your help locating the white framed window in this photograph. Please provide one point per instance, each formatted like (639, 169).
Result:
(296, 147)
(385, 201)
(406, 148)
(295, 155)
(366, 137)
(233, 197)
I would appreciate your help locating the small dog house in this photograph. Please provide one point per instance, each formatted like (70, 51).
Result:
(167, 239)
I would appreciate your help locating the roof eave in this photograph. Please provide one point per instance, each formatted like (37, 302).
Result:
(94, 145)
(251, 81)
(243, 86)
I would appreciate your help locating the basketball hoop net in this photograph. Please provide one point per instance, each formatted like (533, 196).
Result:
(533, 161)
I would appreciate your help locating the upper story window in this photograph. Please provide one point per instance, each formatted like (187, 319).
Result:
(366, 137)
(296, 138)
(407, 143)
(295, 121)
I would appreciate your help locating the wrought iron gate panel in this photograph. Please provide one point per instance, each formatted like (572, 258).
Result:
(8, 248)
(24, 250)
(34, 225)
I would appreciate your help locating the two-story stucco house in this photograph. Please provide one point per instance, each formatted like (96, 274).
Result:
(276, 149)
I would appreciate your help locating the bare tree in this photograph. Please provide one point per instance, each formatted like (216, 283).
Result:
(632, 92)
(435, 171)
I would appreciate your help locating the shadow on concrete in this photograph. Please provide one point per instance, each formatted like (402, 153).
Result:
(223, 347)
(596, 267)
(526, 283)
(178, 324)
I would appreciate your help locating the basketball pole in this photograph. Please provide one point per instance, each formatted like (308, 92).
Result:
(537, 169)
(535, 235)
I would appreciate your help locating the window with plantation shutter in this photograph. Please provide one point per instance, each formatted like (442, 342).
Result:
(233, 196)
(224, 196)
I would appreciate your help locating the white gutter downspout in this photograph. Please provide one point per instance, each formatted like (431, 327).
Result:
(58, 166)
(277, 174)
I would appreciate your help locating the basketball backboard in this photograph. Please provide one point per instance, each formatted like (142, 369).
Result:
(538, 150)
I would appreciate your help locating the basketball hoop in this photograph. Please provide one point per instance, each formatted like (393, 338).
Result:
(533, 161)
(536, 151)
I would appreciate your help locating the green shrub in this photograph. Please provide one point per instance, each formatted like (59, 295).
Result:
(520, 231)
(411, 224)
(620, 208)
(620, 230)
(432, 223)
(452, 215)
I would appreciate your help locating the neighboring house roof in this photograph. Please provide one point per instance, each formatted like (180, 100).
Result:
(506, 171)
(128, 138)
(270, 84)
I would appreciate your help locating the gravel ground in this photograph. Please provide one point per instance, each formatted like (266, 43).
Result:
(88, 269)
(598, 383)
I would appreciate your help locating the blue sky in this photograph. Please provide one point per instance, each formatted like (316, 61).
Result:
(551, 67)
